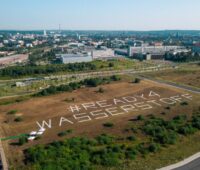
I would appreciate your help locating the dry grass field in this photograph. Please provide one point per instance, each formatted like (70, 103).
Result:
(89, 120)
(187, 74)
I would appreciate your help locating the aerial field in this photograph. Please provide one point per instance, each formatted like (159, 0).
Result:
(84, 112)
(187, 74)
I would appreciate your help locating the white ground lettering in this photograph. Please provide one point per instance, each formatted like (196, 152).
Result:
(113, 111)
(75, 108)
(44, 123)
(108, 110)
(187, 96)
(129, 99)
(153, 94)
(128, 108)
(141, 96)
(154, 102)
(103, 103)
(143, 106)
(89, 105)
(176, 98)
(168, 101)
(116, 101)
(99, 113)
(82, 117)
(63, 119)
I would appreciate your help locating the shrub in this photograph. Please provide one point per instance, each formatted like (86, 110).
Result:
(111, 65)
(22, 140)
(196, 121)
(131, 153)
(167, 108)
(186, 130)
(142, 148)
(101, 90)
(153, 147)
(105, 139)
(140, 117)
(64, 133)
(137, 80)
(131, 138)
(12, 112)
(184, 103)
(158, 129)
(108, 124)
(110, 159)
(115, 78)
(18, 119)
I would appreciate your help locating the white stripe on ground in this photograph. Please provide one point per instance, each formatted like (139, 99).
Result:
(3, 157)
(182, 163)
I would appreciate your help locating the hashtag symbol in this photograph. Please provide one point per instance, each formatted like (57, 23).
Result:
(75, 108)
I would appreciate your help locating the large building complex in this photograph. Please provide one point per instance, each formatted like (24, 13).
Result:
(155, 52)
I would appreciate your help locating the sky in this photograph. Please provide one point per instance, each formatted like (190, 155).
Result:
(100, 14)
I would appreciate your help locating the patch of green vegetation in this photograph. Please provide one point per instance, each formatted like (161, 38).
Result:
(18, 119)
(108, 124)
(131, 138)
(107, 151)
(64, 133)
(137, 80)
(12, 112)
(184, 103)
(22, 140)
(140, 117)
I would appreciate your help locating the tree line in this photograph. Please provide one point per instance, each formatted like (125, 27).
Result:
(92, 82)
(27, 70)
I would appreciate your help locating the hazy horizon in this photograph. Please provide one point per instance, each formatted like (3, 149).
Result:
(104, 15)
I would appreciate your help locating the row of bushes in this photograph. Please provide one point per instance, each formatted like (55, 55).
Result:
(92, 82)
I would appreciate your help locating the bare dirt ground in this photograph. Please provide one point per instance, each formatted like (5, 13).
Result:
(54, 107)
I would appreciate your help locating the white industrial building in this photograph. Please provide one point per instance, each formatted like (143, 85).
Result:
(74, 58)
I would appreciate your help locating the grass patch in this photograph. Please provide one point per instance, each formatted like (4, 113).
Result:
(12, 112)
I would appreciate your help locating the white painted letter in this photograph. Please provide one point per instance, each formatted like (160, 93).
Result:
(44, 123)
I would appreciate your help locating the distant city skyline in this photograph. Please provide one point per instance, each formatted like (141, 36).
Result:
(141, 15)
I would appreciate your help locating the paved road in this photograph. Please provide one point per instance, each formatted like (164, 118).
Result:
(194, 165)
(171, 84)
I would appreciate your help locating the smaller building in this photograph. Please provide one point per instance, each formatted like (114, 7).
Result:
(103, 54)
(20, 84)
